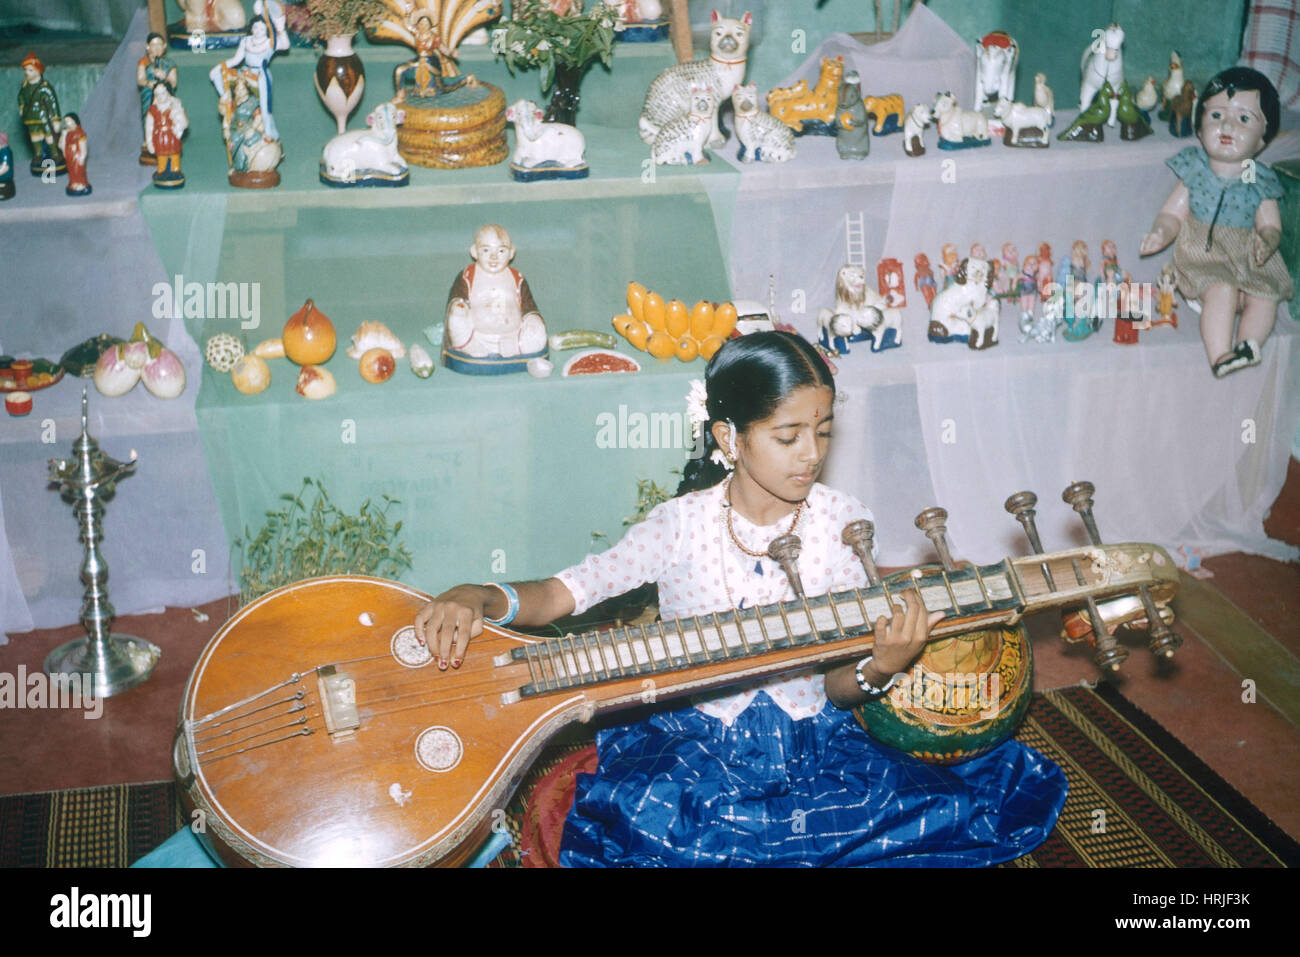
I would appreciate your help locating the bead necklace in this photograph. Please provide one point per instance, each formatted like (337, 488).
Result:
(726, 511)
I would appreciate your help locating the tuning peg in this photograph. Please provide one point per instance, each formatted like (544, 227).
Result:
(1021, 505)
(1162, 640)
(931, 521)
(1079, 496)
(785, 549)
(859, 536)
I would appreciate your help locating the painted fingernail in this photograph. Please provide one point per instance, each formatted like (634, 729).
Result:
(442, 664)
(455, 662)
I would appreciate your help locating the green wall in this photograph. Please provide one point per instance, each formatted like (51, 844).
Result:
(1052, 36)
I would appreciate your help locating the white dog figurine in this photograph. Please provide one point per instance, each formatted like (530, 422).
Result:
(917, 120)
(965, 311)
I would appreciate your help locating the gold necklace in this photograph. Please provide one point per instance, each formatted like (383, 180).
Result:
(726, 508)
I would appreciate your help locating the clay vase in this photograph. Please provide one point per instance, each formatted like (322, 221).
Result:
(340, 79)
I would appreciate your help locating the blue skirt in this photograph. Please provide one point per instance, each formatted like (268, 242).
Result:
(682, 789)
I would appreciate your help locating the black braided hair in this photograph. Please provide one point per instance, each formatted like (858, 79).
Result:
(746, 380)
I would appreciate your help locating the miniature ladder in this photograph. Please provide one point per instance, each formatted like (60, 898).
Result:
(855, 236)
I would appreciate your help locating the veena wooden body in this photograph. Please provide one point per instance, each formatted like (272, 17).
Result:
(316, 731)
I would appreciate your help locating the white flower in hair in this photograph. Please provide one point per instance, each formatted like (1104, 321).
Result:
(697, 407)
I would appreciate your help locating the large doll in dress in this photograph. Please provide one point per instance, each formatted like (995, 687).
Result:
(776, 772)
(1224, 221)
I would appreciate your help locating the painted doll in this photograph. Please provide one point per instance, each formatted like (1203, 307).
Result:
(72, 141)
(164, 128)
(1028, 287)
(1010, 270)
(6, 168)
(38, 106)
(153, 68)
(949, 264)
(1165, 287)
(1225, 219)
(924, 280)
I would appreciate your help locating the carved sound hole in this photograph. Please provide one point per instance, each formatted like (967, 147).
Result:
(407, 649)
(438, 749)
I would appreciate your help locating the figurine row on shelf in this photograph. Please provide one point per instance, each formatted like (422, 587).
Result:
(444, 120)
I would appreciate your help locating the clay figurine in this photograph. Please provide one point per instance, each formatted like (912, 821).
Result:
(1173, 84)
(959, 129)
(683, 139)
(761, 136)
(1103, 65)
(852, 134)
(1090, 125)
(1010, 271)
(266, 38)
(640, 21)
(38, 107)
(1166, 286)
(1180, 112)
(209, 25)
(165, 124)
(544, 150)
(948, 263)
(1024, 125)
(251, 154)
(917, 120)
(810, 111)
(1043, 96)
(1132, 124)
(860, 313)
(1225, 219)
(367, 157)
(1147, 98)
(6, 168)
(996, 54)
(492, 323)
(924, 280)
(452, 121)
(888, 111)
(1027, 287)
(423, 76)
(676, 91)
(965, 312)
(72, 141)
(889, 277)
(153, 68)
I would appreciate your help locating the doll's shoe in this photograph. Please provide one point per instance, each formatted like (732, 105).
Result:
(1247, 353)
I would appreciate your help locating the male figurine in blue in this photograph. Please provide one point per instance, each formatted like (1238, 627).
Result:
(6, 168)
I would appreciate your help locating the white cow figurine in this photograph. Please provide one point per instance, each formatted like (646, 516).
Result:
(995, 68)
(544, 150)
(959, 128)
(1018, 116)
(367, 157)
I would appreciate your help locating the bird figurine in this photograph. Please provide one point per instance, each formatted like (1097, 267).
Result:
(1147, 98)
(1173, 85)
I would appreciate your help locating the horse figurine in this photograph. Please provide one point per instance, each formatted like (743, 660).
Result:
(1102, 63)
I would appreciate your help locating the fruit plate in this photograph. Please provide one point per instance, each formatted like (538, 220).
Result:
(80, 360)
(43, 374)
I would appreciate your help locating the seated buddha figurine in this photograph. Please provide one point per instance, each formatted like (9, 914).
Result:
(492, 322)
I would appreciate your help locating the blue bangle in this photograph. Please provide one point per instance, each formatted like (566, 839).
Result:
(512, 603)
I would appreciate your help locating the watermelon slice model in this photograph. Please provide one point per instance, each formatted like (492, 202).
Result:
(594, 361)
